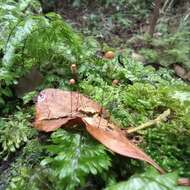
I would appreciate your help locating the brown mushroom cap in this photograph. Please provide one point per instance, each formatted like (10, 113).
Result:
(72, 81)
(115, 82)
(109, 55)
(73, 66)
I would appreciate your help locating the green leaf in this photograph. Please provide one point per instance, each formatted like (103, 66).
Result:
(149, 180)
(75, 157)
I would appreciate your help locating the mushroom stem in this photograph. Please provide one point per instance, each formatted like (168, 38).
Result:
(71, 82)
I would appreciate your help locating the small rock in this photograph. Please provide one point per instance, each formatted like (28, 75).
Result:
(188, 76)
(180, 71)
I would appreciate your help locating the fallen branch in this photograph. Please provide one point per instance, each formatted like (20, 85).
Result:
(156, 121)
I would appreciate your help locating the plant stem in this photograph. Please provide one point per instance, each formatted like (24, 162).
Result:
(160, 118)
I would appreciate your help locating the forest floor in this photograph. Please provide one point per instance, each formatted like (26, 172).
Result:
(121, 28)
(103, 23)
(146, 91)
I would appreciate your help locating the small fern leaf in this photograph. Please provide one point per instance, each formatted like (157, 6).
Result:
(74, 157)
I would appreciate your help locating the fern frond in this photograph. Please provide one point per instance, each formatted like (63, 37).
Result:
(14, 132)
(74, 157)
(46, 41)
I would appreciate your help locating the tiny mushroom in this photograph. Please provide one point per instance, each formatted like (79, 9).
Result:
(115, 82)
(73, 68)
(72, 81)
(109, 55)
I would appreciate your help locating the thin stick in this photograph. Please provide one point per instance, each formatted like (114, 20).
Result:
(109, 116)
(71, 82)
(99, 122)
(71, 103)
(160, 118)
(73, 68)
(101, 109)
(169, 6)
(77, 100)
(164, 6)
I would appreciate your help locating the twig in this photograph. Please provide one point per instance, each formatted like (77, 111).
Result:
(71, 103)
(164, 6)
(156, 121)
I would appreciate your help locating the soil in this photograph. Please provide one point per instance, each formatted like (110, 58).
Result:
(113, 34)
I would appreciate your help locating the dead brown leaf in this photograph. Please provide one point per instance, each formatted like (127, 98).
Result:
(57, 108)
